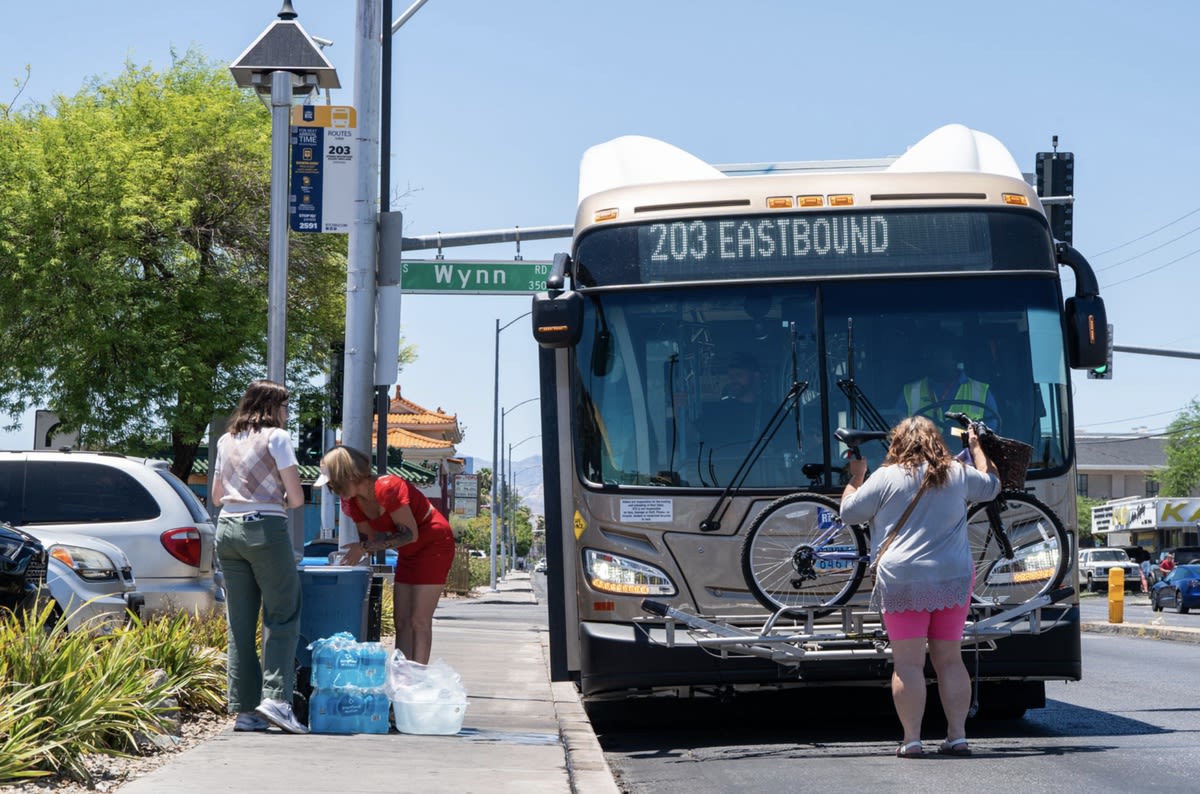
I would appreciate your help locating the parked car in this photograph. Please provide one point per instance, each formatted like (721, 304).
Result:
(1094, 565)
(134, 503)
(541, 566)
(1180, 589)
(1136, 553)
(89, 580)
(22, 569)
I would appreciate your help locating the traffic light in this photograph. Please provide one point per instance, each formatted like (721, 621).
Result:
(311, 443)
(1104, 371)
(1056, 179)
(337, 372)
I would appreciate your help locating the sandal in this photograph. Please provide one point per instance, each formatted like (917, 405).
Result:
(910, 750)
(954, 747)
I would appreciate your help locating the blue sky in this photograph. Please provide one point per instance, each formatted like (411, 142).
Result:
(494, 103)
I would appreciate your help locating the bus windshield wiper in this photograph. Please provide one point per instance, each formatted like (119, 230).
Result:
(789, 403)
(862, 406)
(858, 399)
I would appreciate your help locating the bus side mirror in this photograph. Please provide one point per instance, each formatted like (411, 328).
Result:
(557, 319)
(1087, 332)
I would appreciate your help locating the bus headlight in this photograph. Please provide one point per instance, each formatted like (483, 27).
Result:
(611, 573)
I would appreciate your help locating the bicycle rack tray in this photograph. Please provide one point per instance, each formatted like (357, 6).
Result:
(858, 634)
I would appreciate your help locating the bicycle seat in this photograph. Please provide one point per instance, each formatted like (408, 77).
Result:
(853, 438)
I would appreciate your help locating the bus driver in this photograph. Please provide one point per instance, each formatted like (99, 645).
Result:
(947, 387)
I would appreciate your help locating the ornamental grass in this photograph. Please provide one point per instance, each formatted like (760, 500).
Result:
(66, 695)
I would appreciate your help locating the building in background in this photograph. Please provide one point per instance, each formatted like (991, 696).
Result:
(1119, 466)
(425, 438)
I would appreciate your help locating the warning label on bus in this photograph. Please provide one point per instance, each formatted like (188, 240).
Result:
(646, 511)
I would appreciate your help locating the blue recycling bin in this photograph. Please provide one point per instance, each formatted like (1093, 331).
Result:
(335, 598)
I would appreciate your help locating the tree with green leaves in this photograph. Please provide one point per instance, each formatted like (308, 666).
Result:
(134, 223)
(1183, 453)
(1083, 511)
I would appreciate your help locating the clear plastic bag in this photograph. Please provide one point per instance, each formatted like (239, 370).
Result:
(428, 698)
(414, 682)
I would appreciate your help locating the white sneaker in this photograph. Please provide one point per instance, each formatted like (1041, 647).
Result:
(280, 715)
(249, 721)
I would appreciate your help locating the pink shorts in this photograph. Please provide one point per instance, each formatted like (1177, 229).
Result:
(941, 624)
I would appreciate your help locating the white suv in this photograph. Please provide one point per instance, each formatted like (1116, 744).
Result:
(1094, 565)
(135, 504)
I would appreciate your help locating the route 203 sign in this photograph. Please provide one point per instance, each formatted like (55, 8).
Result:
(324, 144)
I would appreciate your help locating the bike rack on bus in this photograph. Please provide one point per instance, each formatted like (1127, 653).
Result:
(854, 634)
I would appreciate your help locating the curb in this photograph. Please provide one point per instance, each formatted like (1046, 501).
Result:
(1143, 631)
(587, 768)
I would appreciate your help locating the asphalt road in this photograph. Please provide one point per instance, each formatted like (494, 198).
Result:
(1136, 710)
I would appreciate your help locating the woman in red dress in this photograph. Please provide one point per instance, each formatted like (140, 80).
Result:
(389, 512)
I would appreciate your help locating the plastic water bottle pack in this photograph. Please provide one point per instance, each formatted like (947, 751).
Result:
(348, 686)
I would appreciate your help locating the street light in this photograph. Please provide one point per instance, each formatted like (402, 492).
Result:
(499, 464)
(510, 516)
(496, 419)
(282, 63)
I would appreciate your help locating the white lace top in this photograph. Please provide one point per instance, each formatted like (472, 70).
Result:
(928, 565)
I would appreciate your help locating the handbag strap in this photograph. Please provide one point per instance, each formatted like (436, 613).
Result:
(895, 530)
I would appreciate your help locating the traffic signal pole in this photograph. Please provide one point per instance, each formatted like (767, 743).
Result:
(1154, 351)
(359, 377)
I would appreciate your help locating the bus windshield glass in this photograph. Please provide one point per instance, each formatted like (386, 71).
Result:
(672, 387)
(814, 243)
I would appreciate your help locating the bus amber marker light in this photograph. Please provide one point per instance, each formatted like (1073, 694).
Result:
(606, 215)
(550, 329)
(1016, 198)
(1092, 328)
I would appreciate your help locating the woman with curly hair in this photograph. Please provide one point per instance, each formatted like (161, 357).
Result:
(924, 575)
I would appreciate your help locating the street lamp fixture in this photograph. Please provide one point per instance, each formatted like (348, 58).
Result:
(502, 504)
(282, 63)
(497, 420)
(510, 513)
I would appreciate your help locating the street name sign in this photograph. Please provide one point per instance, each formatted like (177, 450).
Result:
(474, 277)
(322, 168)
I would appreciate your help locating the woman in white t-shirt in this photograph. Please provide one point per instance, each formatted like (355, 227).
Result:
(255, 481)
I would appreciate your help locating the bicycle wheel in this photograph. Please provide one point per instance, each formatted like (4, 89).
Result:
(1041, 551)
(798, 553)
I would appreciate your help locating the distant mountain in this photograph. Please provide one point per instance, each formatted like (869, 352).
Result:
(526, 479)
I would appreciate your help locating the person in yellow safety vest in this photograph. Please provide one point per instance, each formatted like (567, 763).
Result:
(949, 390)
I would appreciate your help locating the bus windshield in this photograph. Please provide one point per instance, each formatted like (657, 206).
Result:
(672, 387)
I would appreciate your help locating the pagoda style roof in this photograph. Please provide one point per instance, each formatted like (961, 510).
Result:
(414, 445)
(407, 415)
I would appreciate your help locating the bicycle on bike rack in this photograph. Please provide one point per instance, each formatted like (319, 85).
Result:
(798, 555)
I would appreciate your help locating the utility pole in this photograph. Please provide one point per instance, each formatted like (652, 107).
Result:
(359, 378)
(359, 383)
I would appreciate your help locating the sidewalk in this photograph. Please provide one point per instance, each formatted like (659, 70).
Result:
(521, 733)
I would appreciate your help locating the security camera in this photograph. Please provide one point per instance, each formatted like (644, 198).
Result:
(320, 42)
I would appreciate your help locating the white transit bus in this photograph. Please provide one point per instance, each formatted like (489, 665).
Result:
(708, 333)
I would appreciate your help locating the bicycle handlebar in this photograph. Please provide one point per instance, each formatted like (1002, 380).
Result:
(981, 429)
